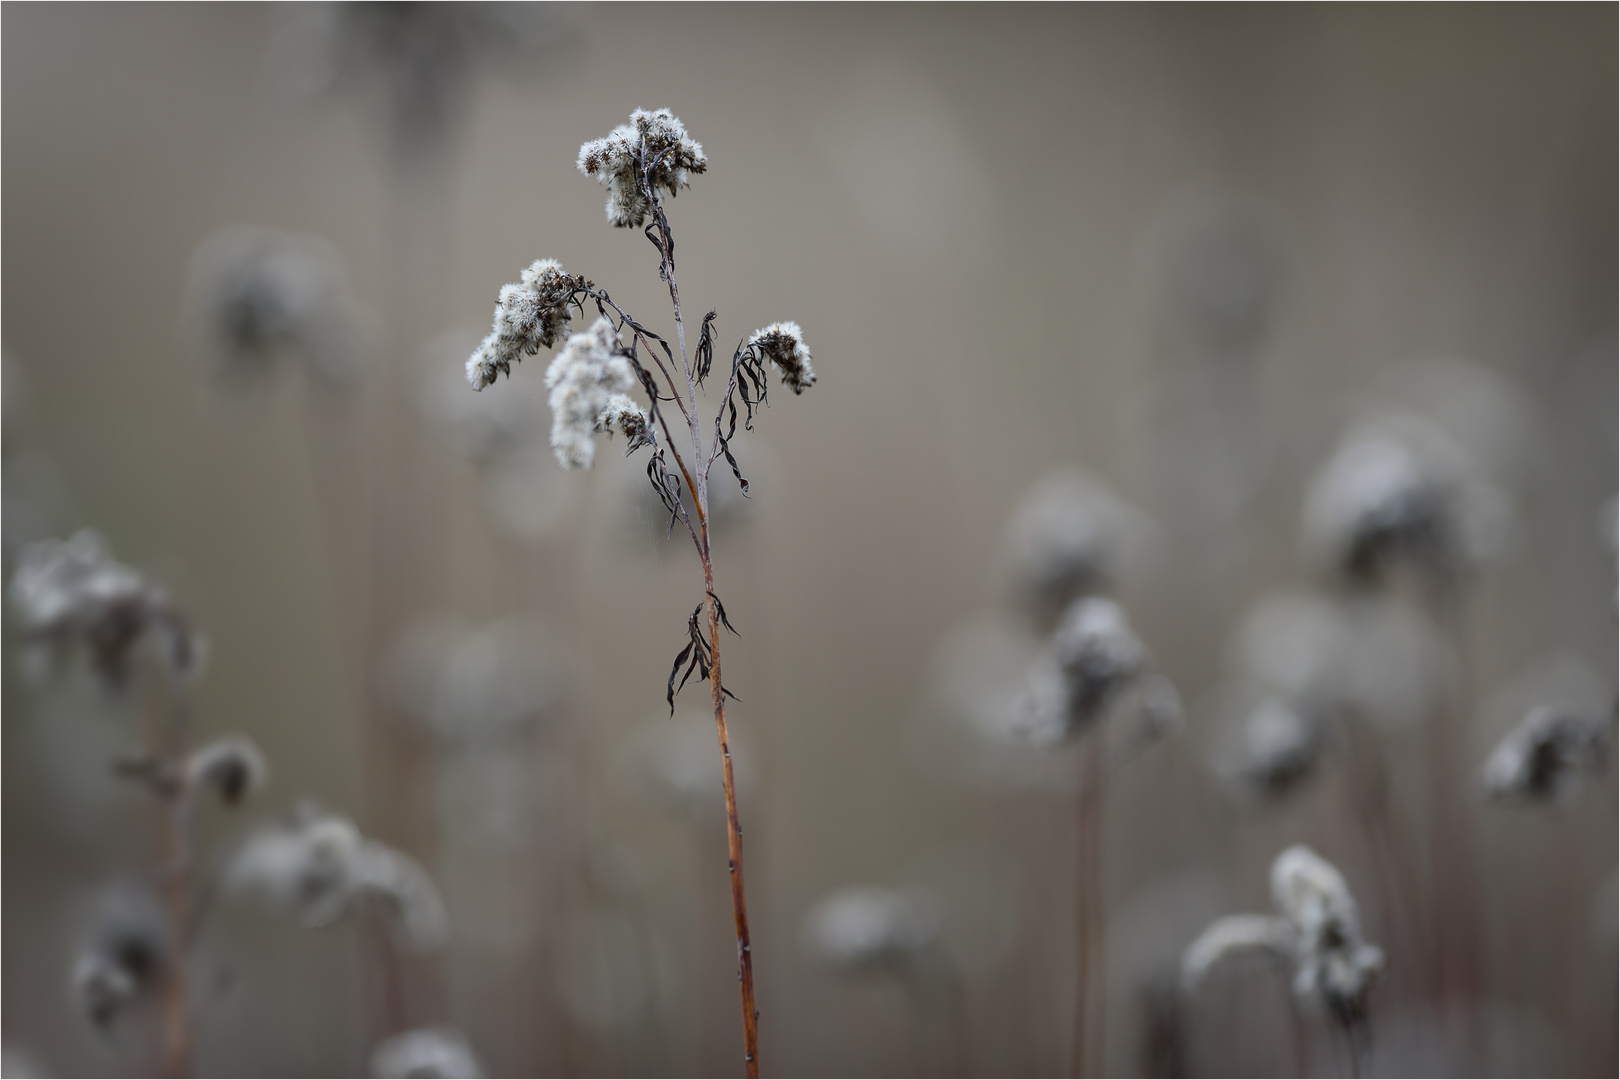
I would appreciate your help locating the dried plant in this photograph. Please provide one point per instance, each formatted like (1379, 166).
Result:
(440, 1052)
(1317, 930)
(593, 377)
(1545, 756)
(72, 598)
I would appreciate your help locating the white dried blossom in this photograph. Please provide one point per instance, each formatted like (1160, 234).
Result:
(1234, 936)
(623, 415)
(651, 152)
(396, 884)
(866, 927)
(1279, 745)
(436, 1052)
(315, 867)
(1066, 539)
(1333, 962)
(259, 296)
(234, 767)
(306, 867)
(529, 316)
(71, 593)
(1544, 756)
(122, 956)
(583, 378)
(782, 343)
(1399, 489)
(1099, 655)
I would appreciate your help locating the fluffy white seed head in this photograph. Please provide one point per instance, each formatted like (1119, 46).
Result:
(305, 867)
(1278, 745)
(71, 594)
(1544, 757)
(1066, 539)
(583, 379)
(782, 343)
(866, 927)
(653, 151)
(1399, 489)
(529, 316)
(1098, 652)
(623, 415)
(395, 884)
(436, 1052)
(233, 768)
(1231, 937)
(122, 957)
(1333, 961)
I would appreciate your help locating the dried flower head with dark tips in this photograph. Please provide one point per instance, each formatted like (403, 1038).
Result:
(782, 343)
(70, 594)
(529, 316)
(1099, 655)
(436, 1052)
(123, 956)
(1334, 963)
(1399, 490)
(234, 768)
(262, 297)
(652, 152)
(1545, 756)
(864, 928)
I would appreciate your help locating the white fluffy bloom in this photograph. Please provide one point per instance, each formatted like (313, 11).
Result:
(623, 415)
(122, 957)
(529, 316)
(1399, 488)
(234, 767)
(583, 379)
(69, 593)
(1233, 936)
(782, 343)
(1278, 746)
(438, 1052)
(1066, 539)
(1544, 756)
(1332, 959)
(316, 866)
(1091, 657)
(259, 296)
(653, 147)
(867, 927)
(1317, 929)
(306, 868)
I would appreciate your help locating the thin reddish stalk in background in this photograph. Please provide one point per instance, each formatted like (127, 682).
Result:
(1087, 1046)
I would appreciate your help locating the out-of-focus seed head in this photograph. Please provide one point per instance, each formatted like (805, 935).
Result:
(1099, 655)
(865, 927)
(474, 685)
(1399, 490)
(122, 957)
(262, 297)
(71, 594)
(583, 378)
(1232, 937)
(437, 1052)
(1278, 746)
(1334, 963)
(396, 884)
(1066, 539)
(234, 768)
(1545, 756)
(305, 867)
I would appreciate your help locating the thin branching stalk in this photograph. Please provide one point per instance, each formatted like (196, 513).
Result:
(176, 866)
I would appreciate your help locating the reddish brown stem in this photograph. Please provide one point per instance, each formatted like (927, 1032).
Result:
(1086, 1047)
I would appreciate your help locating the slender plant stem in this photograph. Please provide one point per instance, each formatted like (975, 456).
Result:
(1086, 1047)
(176, 889)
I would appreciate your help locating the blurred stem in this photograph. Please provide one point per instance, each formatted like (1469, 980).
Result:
(175, 876)
(1086, 1046)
